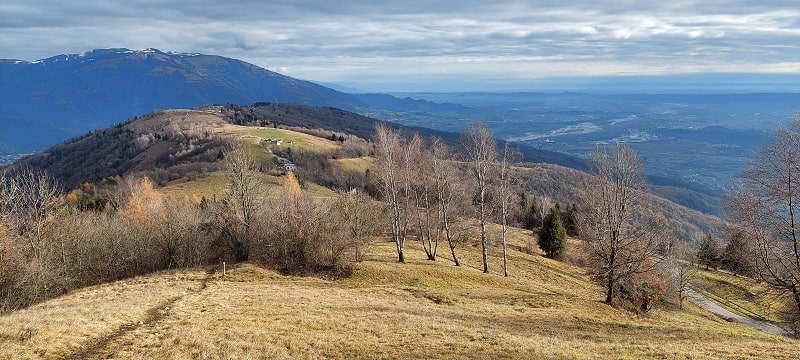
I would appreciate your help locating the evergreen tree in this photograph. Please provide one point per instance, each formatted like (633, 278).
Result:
(735, 256)
(708, 254)
(530, 210)
(553, 235)
(571, 220)
(523, 208)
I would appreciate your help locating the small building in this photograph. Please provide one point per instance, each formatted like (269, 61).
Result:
(271, 142)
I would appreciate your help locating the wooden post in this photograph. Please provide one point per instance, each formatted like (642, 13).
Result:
(223, 269)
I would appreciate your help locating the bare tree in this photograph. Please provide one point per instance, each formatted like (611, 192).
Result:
(244, 187)
(302, 235)
(392, 167)
(505, 196)
(423, 191)
(766, 207)
(29, 199)
(618, 236)
(6, 196)
(481, 149)
(179, 234)
(677, 257)
(685, 273)
(362, 217)
(449, 191)
(236, 221)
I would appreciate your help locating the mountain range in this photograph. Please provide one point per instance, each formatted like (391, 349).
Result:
(50, 100)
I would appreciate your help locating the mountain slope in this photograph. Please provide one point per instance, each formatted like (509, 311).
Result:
(50, 100)
(176, 144)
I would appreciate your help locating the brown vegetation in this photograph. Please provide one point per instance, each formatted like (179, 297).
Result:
(620, 239)
(766, 210)
(384, 310)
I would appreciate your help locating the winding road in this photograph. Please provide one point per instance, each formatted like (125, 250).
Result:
(707, 304)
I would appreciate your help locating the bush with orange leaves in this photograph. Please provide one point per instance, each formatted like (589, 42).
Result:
(144, 202)
(645, 289)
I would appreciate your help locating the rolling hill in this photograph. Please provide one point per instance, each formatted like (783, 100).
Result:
(174, 145)
(167, 138)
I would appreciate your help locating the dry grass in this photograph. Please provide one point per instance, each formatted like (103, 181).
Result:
(180, 119)
(58, 327)
(300, 140)
(211, 185)
(358, 165)
(421, 309)
(739, 294)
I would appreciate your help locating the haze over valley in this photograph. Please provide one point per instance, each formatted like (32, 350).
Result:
(702, 139)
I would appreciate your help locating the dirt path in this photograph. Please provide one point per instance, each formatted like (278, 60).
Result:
(155, 314)
(706, 303)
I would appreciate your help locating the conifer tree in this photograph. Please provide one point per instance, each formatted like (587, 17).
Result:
(708, 254)
(552, 234)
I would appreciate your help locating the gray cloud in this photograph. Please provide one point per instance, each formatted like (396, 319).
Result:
(362, 41)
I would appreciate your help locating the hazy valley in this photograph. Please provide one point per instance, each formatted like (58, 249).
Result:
(703, 140)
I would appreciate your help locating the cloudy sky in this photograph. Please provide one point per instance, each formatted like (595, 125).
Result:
(424, 45)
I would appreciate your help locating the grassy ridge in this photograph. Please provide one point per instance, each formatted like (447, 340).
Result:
(420, 309)
(298, 140)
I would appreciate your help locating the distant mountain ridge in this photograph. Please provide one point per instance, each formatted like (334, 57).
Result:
(50, 100)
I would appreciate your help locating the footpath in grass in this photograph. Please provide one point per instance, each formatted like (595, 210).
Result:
(420, 309)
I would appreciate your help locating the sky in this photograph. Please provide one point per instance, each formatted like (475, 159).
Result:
(428, 45)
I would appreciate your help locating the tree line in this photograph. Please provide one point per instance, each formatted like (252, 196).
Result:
(51, 244)
(622, 239)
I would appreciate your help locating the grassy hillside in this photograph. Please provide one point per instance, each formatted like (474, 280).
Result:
(213, 186)
(290, 138)
(741, 295)
(420, 309)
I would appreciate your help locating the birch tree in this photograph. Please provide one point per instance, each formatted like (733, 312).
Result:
(505, 197)
(424, 187)
(392, 167)
(481, 150)
(449, 191)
